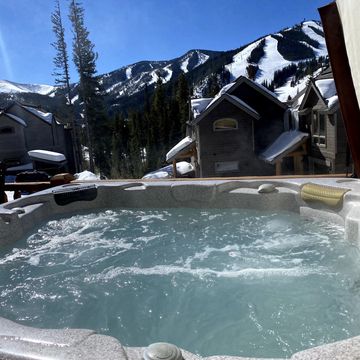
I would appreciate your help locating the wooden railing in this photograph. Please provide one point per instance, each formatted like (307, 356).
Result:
(29, 187)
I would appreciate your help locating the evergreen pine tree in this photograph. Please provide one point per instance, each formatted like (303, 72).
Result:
(160, 124)
(136, 160)
(62, 77)
(182, 97)
(85, 58)
(120, 149)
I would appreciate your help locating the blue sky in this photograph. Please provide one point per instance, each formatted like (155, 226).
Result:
(127, 31)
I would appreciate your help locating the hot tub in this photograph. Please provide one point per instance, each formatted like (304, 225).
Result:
(332, 200)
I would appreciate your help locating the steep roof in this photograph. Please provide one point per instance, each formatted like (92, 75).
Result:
(233, 100)
(40, 114)
(198, 106)
(325, 90)
(45, 116)
(182, 147)
(324, 87)
(258, 87)
(15, 118)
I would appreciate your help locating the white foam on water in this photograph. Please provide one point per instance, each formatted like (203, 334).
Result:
(262, 268)
(202, 273)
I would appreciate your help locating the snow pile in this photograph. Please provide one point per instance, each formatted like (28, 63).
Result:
(182, 168)
(284, 143)
(160, 174)
(86, 175)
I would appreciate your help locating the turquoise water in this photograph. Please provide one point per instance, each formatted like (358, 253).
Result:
(234, 282)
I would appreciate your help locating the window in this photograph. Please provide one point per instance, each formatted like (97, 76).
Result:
(225, 124)
(319, 129)
(7, 130)
(226, 166)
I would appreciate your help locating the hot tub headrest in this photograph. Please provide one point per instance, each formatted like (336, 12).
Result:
(328, 195)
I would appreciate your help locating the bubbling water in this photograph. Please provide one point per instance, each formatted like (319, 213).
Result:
(229, 281)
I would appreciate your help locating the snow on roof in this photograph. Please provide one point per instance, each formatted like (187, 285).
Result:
(47, 117)
(225, 88)
(46, 155)
(24, 167)
(199, 105)
(332, 101)
(326, 87)
(222, 91)
(283, 145)
(183, 144)
(16, 118)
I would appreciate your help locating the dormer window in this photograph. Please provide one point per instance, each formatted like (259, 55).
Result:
(225, 124)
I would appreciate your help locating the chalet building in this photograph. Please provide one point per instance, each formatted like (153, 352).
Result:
(246, 131)
(24, 128)
(319, 115)
(229, 134)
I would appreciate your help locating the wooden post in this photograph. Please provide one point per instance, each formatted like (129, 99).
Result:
(278, 167)
(348, 101)
(298, 165)
(3, 197)
(174, 169)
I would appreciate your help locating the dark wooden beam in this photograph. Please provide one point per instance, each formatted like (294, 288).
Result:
(343, 80)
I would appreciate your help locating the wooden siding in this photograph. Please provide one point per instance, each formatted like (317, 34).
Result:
(271, 124)
(230, 145)
(40, 134)
(12, 146)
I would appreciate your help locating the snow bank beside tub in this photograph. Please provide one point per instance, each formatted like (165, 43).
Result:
(183, 168)
(86, 175)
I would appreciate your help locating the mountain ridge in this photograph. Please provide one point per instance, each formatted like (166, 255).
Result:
(259, 60)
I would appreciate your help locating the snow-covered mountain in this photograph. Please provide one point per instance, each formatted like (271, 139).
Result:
(261, 60)
(13, 87)
(273, 58)
(133, 78)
